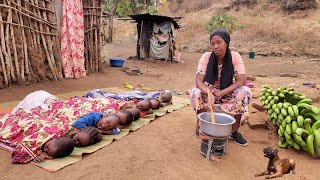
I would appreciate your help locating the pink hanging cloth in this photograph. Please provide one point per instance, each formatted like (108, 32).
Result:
(72, 39)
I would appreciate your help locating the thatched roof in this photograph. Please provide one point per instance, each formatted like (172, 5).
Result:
(158, 19)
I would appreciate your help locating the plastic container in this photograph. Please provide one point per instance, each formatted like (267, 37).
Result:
(252, 54)
(116, 62)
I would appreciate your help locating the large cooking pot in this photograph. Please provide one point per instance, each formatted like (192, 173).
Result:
(222, 126)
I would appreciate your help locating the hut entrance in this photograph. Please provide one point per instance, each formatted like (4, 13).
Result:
(156, 36)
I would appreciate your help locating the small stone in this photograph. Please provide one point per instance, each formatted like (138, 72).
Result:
(288, 75)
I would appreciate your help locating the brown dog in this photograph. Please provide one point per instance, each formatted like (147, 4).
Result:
(276, 165)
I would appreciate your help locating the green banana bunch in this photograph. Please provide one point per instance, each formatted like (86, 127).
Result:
(297, 119)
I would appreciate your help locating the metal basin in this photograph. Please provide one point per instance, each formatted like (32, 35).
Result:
(221, 128)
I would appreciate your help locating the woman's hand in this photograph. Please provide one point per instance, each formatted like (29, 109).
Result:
(218, 94)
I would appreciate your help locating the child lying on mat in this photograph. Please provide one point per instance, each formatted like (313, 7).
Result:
(107, 125)
(145, 107)
(84, 137)
(126, 118)
(55, 148)
(165, 98)
(135, 113)
(34, 139)
(155, 103)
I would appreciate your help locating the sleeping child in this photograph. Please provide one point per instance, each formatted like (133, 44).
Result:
(145, 107)
(126, 118)
(155, 103)
(165, 98)
(135, 113)
(84, 137)
(107, 125)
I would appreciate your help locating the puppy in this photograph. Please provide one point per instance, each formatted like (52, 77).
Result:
(276, 165)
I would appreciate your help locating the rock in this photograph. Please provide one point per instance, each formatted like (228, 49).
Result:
(270, 126)
(261, 75)
(251, 78)
(288, 75)
(258, 105)
(294, 5)
(244, 2)
(257, 120)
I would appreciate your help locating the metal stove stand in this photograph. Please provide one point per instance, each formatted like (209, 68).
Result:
(216, 146)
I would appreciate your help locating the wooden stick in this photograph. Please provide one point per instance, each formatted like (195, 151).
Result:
(213, 121)
(41, 32)
(15, 55)
(44, 14)
(40, 20)
(44, 9)
(6, 72)
(44, 43)
(7, 39)
(3, 68)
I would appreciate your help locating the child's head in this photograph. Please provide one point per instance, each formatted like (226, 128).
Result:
(59, 147)
(166, 97)
(155, 103)
(144, 105)
(108, 122)
(135, 112)
(86, 137)
(126, 117)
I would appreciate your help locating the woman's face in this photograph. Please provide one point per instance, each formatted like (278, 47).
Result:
(218, 45)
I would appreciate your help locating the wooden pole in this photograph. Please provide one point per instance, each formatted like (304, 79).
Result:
(46, 49)
(3, 53)
(7, 39)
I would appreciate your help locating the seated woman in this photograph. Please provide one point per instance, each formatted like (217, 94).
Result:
(222, 73)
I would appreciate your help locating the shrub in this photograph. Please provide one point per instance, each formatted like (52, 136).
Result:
(225, 21)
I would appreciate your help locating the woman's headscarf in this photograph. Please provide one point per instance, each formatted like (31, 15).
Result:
(227, 71)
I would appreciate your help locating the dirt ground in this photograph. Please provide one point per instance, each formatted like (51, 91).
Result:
(166, 148)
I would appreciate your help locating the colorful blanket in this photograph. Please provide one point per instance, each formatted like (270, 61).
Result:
(57, 164)
(28, 129)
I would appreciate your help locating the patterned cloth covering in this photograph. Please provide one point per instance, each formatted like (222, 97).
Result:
(72, 39)
(25, 132)
(97, 93)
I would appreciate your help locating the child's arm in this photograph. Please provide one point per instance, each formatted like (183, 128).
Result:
(123, 126)
(109, 132)
(165, 104)
(150, 111)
